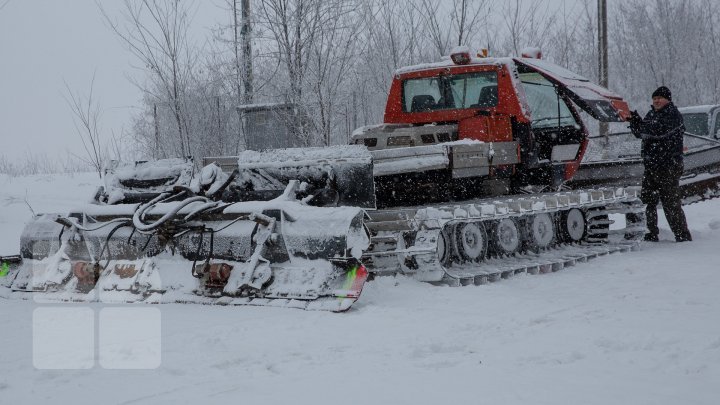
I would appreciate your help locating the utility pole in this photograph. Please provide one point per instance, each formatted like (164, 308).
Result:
(246, 33)
(244, 69)
(603, 56)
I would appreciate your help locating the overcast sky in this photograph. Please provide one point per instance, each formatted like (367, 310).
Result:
(46, 42)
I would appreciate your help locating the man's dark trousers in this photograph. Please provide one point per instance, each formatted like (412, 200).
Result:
(662, 184)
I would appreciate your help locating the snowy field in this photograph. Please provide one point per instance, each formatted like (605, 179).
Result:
(634, 328)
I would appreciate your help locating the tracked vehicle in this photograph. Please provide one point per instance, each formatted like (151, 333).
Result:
(461, 133)
(461, 184)
(469, 169)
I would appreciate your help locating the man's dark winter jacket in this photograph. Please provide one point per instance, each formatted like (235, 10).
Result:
(662, 137)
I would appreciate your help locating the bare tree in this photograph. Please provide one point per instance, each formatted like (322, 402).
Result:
(293, 26)
(86, 117)
(527, 24)
(156, 32)
(711, 20)
(388, 39)
(566, 37)
(467, 17)
(391, 39)
(447, 25)
(331, 61)
(436, 31)
(669, 43)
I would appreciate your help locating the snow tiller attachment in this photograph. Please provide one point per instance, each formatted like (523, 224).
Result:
(185, 243)
(331, 176)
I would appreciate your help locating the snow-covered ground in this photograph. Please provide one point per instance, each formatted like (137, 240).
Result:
(634, 328)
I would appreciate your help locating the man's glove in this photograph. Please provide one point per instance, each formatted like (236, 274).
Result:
(635, 123)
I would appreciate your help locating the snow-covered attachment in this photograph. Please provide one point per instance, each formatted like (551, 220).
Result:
(332, 176)
(183, 246)
(142, 181)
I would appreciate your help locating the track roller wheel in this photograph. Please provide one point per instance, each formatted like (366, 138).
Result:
(507, 236)
(542, 231)
(573, 225)
(443, 248)
(471, 241)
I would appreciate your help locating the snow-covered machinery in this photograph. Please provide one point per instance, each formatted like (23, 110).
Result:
(461, 133)
(460, 185)
(156, 232)
(467, 170)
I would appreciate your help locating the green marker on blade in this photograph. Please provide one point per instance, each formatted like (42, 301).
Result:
(4, 269)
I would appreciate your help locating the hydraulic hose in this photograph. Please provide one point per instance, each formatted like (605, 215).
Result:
(143, 208)
(71, 222)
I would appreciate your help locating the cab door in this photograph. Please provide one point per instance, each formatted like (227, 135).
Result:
(599, 102)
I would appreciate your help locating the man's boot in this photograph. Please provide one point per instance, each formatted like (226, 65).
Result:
(650, 237)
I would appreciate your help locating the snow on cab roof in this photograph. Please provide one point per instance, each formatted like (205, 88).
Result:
(698, 108)
(446, 62)
(541, 64)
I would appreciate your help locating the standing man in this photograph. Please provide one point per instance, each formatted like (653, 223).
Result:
(662, 132)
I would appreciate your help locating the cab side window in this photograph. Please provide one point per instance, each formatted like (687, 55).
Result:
(449, 92)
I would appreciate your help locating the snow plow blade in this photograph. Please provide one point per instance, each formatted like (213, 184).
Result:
(181, 248)
(330, 176)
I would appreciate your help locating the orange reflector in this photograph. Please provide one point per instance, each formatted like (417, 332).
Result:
(125, 270)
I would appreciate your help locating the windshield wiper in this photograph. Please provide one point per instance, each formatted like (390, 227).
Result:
(550, 118)
(537, 84)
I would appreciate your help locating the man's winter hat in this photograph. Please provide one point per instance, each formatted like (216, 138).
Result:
(664, 92)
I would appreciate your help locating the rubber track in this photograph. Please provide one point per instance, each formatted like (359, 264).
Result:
(389, 255)
(710, 190)
(548, 261)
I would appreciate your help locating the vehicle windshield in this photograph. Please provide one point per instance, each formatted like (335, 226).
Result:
(469, 90)
(696, 123)
(547, 109)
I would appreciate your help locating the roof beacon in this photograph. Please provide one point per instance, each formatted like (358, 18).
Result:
(531, 52)
(460, 55)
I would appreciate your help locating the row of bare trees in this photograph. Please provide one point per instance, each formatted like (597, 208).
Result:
(334, 59)
(676, 43)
